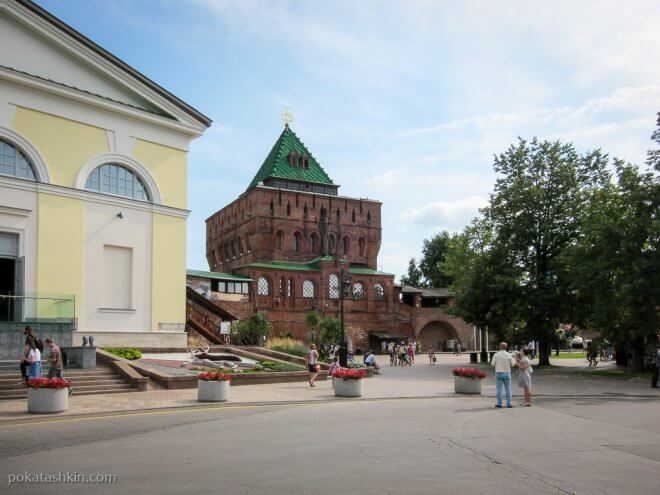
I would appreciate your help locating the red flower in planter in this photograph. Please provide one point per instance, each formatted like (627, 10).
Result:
(55, 383)
(210, 376)
(469, 373)
(350, 374)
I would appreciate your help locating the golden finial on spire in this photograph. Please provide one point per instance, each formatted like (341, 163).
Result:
(287, 116)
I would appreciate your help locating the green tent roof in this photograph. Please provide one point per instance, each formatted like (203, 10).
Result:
(217, 275)
(277, 164)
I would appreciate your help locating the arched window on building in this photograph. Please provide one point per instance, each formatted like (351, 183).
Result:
(289, 288)
(346, 244)
(288, 208)
(14, 163)
(240, 246)
(379, 292)
(353, 216)
(358, 290)
(233, 249)
(338, 216)
(279, 236)
(263, 287)
(362, 244)
(333, 286)
(297, 242)
(112, 178)
(308, 289)
(227, 254)
(313, 243)
(368, 218)
(331, 244)
(247, 243)
(282, 285)
(272, 208)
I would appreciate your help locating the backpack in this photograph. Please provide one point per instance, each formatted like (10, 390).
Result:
(39, 344)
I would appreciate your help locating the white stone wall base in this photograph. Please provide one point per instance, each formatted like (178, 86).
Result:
(133, 339)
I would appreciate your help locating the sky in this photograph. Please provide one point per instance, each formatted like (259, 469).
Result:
(405, 102)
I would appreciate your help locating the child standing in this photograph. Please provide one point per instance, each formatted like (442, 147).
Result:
(334, 368)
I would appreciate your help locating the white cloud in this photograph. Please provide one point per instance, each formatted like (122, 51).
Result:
(448, 214)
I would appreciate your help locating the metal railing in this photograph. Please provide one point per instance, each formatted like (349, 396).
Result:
(37, 308)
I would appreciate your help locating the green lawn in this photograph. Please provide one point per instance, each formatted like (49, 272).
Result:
(621, 374)
(569, 355)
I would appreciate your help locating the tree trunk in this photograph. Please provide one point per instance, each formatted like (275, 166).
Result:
(621, 354)
(638, 356)
(544, 352)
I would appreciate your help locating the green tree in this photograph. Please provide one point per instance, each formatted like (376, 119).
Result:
(434, 251)
(253, 331)
(313, 318)
(485, 283)
(616, 264)
(329, 333)
(414, 275)
(535, 214)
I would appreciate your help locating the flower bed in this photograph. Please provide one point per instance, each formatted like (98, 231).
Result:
(347, 374)
(213, 387)
(48, 395)
(210, 376)
(469, 373)
(56, 383)
(468, 380)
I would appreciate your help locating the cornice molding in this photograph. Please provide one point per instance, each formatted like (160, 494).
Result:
(91, 196)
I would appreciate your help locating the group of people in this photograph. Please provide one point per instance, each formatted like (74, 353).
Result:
(402, 354)
(32, 354)
(503, 361)
(313, 366)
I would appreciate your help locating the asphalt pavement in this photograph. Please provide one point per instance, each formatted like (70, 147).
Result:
(413, 445)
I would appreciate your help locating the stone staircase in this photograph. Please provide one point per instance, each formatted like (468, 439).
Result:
(101, 380)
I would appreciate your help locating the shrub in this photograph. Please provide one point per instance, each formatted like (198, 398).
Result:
(253, 331)
(130, 353)
(354, 365)
(288, 346)
(277, 366)
(469, 373)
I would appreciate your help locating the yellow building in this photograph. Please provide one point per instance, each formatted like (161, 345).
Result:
(93, 168)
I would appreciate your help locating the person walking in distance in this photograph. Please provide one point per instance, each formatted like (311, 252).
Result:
(334, 368)
(411, 354)
(431, 356)
(312, 364)
(502, 361)
(56, 361)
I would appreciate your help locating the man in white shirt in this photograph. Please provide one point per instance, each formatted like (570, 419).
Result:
(502, 361)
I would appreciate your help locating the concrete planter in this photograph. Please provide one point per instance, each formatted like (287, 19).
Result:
(212, 391)
(464, 385)
(47, 400)
(348, 387)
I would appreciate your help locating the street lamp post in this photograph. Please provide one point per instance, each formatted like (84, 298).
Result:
(344, 286)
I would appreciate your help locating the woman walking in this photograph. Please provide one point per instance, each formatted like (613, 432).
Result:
(312, 364)
(34, 361)
(525, 376)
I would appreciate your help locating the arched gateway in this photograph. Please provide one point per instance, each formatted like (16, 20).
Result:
(437, 334)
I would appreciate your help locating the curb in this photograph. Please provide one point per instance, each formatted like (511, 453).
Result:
(237, 405)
